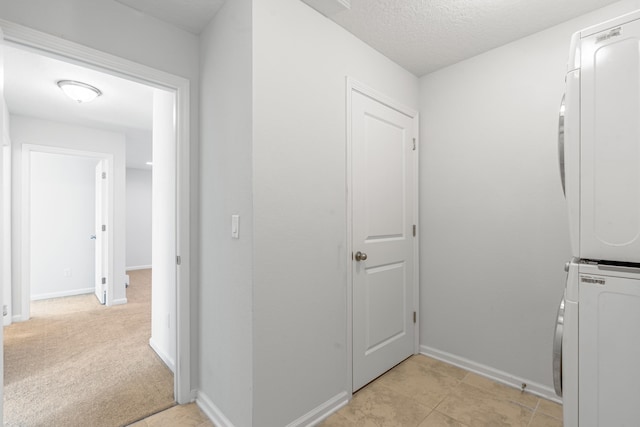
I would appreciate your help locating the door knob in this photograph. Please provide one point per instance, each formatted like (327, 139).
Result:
(93, 237)
(360, 256)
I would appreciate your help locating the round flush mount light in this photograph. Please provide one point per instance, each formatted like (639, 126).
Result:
(78, 91)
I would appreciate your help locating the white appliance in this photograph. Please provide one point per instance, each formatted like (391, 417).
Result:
(597, 342)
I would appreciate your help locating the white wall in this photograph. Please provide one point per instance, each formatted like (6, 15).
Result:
(26, 130)
(138, 183)
(163, 229)
(63, 193)
(301, 60)
(139, 38)
(225, 300)
(494, 233)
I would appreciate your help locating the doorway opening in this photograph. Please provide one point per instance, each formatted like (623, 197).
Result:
(177, 299)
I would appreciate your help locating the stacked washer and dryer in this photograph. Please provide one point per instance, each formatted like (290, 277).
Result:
(597, 342)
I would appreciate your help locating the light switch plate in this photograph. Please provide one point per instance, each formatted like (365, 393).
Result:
(235, 226)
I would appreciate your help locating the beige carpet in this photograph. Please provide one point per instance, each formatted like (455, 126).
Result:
(78, 363)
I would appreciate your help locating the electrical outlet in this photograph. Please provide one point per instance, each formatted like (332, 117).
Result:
(66, 272)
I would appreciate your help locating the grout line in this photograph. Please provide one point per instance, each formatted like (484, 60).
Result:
(533, 414)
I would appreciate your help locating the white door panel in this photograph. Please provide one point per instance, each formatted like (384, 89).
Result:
(383, 182)
(610, 145)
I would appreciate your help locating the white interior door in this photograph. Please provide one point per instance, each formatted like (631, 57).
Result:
(384, 183)
(101, 232)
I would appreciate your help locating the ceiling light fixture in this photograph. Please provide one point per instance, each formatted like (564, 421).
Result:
(78, 91)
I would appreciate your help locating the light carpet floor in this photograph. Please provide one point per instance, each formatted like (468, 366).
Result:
(78, 363)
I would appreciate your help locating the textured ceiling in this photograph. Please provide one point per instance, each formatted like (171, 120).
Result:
(190, 15)
(425, 35)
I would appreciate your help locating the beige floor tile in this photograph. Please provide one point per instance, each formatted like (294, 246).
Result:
(419, 382)
(436, 419)
(477, 408)
(442, 367)
(337, 420)
(542, 420)
(550, 408)
(509, 393)
(380, 406)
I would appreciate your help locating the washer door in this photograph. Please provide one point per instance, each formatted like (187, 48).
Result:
(557, 350)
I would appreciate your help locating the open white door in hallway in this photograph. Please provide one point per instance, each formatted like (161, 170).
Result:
(101, 232)
(384, 212)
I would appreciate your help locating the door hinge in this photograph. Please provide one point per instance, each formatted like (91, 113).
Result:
(104, 280)
(414, 144)
(178, 260)
(414, 230)
(414, 317)
(104, 297)
(104, 175)
(104, 227)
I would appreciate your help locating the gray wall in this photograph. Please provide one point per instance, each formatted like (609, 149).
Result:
(225, 302)
(301, 61)
(138, 218)
(63, 199)
(494, 225)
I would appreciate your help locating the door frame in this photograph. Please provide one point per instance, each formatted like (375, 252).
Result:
(76, 53)
(353, 85)
(25, 184)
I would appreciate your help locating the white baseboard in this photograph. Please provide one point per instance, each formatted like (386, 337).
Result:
(320, 413)
(312, 418)
(18, 318)
(62, 294)
(162, 355)
(212, 411)
(491, 373)
(138, 267)
(119, 301)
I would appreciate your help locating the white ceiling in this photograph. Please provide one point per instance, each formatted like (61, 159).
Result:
(125, 106)
(423, 36)
(190, 15)
(420, 35)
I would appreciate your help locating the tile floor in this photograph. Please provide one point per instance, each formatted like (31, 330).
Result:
(420, 392)
(177, 416)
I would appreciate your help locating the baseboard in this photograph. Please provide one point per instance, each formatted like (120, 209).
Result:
(212, 411)
(138, 267)
(320, 413)
(62, 294)
(18, 318)
(119, 301)
(163, 355)
(491, 373)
